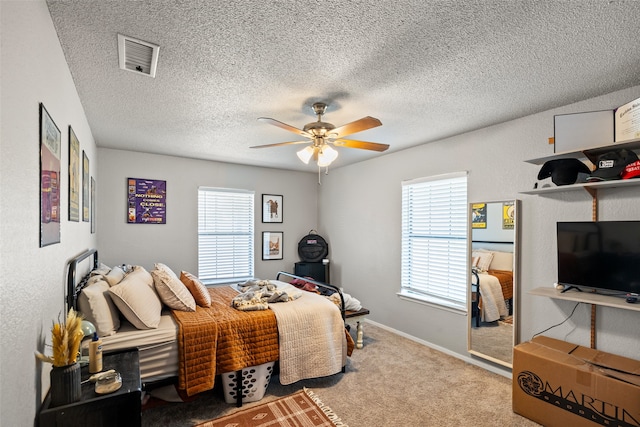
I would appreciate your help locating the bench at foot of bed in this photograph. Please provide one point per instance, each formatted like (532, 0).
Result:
(357, 317)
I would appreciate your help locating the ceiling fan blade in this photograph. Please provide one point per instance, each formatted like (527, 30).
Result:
(354, 127)
(364, 145)
(277, 144)
(285, 126)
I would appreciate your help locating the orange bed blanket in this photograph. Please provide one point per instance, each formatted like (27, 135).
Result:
(221, 339)
(505, 277)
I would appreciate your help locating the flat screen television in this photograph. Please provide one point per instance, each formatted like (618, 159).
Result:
(604, 255)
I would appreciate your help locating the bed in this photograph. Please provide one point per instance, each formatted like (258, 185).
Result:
(306, 336)
(491, 280)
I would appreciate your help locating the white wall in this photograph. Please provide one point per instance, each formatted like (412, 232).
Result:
(360, 213)
(32, 278)
(176, 242)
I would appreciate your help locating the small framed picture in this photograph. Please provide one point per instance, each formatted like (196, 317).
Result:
(272, 245)
(272, 208)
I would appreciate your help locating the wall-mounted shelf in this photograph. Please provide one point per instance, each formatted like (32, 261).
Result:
(591, 154)
(586, 297)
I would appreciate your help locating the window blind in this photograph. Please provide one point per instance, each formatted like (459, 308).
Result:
(225, 235)
(434, 239)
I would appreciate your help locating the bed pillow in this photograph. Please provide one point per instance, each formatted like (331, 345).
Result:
(482, 259)
(171, 290)
(501, 261)
(137, 300)
(115, 276)
(197, 288)
(97, 307)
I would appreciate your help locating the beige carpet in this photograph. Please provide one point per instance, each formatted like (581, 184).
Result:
(392, 381)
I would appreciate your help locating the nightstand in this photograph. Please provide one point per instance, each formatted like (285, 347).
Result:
(120, 408)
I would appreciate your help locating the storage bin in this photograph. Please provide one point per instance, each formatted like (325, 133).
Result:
(255, 380)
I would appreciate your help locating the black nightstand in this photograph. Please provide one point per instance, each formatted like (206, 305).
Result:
(120, 408)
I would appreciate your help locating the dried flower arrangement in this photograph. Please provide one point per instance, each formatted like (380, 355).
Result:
(65, 341)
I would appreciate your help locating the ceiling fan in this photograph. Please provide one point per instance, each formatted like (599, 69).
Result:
(323, 135)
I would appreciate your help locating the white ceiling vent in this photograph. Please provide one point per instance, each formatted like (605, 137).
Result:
(137, 55)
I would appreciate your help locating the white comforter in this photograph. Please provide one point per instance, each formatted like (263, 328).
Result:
(319, 349)
(493, 305)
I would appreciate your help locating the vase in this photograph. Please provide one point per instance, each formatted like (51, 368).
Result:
(65, 384)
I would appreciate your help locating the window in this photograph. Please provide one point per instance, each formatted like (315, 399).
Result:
(225, 235)
(434, 240)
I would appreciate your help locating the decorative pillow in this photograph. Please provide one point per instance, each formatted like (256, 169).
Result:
(483, 259)
(171, 290)
(197, 288)
(96, 306)
(137, 300)
(502, 261)
(115, 276)
(101, 270)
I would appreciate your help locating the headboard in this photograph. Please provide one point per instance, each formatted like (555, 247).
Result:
(73, 288)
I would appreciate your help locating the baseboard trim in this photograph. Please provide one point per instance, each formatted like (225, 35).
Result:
(505, 372)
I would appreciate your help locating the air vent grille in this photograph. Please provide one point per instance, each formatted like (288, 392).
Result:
(137, 56)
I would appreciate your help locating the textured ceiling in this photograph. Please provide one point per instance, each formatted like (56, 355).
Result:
(428, 69)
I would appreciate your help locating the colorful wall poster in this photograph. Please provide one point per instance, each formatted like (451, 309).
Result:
(146, 203)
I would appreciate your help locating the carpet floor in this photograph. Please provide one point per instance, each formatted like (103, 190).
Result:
(392, 381)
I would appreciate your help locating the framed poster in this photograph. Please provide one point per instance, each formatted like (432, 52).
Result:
(479, 215)
(93, 205)
(50, 142)
(272, 245)
(508, 215)
(74, 177)
(271, 208)
(146, 201)
(85, 187)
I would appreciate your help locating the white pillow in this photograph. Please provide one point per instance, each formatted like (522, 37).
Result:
(96, 306)
(115, 276)
(483, 259)
(137, 300)
(171, 290)
(502, 261)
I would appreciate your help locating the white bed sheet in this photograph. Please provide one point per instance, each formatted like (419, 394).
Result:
(158, 348)
(493, 304)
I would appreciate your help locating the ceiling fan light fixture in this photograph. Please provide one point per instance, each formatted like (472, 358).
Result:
(305, 154)
(326, 156)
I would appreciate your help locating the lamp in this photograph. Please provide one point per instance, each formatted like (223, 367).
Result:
(305, 154)
(326, 155)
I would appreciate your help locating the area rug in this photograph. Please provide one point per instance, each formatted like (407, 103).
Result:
(303, 408)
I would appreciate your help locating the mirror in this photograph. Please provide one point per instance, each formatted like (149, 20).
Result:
(493, 280)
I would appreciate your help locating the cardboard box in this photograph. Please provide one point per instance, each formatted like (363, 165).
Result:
(580, 131)
(556, 383)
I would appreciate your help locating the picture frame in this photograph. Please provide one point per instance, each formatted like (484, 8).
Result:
(272, 208)
(50, 150)
(85, 187)
(272, 245)
(479, 215)
(146, 201)
(93, 205)
(74, 176)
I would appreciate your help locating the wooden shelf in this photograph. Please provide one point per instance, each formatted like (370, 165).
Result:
(588, 153)
(585, 186)
(586, 297)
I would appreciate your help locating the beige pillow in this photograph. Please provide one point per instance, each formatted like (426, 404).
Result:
(171, 290)
(115, 276)
(96, 306)
(197, 288)
(137, 300)
(501, 261)
(483, 259)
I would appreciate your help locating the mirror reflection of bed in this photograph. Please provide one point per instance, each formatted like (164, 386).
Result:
(492, 290)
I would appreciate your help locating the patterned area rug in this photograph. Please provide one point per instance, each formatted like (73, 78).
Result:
(303, 408)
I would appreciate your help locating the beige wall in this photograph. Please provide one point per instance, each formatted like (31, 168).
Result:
(32, 278)
(176, 242)
(360, 214)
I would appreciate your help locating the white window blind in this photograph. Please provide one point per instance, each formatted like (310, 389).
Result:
(225, 235)
(434, 239)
